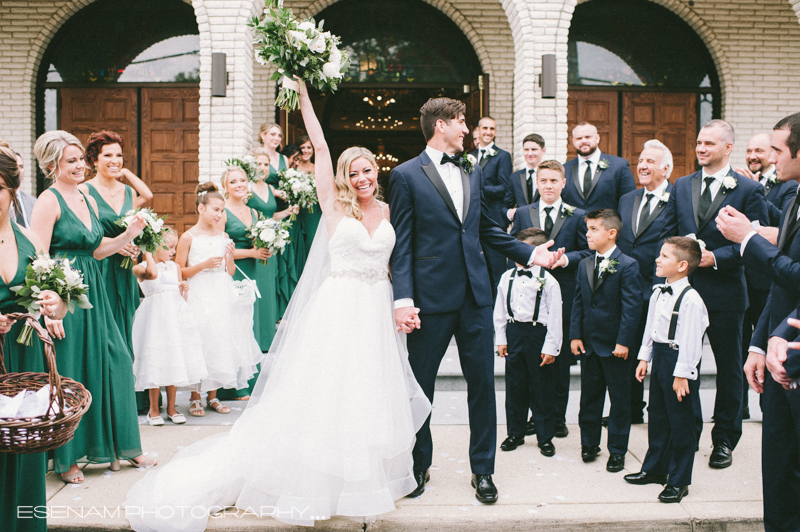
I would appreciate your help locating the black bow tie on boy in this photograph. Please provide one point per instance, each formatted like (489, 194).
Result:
(450, 159)
(664, 288)
(526, 273)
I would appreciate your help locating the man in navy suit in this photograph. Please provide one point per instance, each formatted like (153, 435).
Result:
(595, 180)
(643, 219)
(495, 168)
(779, 193)
(780, 449)
(693, 206)
(605, 315)
(441, 283)
(565, 226)
(522, 186)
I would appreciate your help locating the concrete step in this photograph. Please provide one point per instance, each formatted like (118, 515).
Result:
(451, 377)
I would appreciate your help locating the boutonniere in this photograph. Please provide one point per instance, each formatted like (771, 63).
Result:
(468, 162)
(567, 210)
(700, 242)
(603, 164)
(608, 266)
(492, 152)
(772, 178)
(538, 283)
(663, 199)
(729, 183)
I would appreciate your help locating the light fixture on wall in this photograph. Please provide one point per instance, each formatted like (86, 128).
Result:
(547, 79)
(219, 75)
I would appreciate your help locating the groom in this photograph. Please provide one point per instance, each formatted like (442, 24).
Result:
(441, 284)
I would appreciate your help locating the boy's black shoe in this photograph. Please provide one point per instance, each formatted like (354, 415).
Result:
(721, 456)
(673, 493)
(561, 430)
(641, 478)
(511, 443)
(547, 448)
(616, 463)
(530, 428)
(485, 490)
(589, 452)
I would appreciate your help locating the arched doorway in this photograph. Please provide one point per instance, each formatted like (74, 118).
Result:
(395, 67)
(132, 67)
(639, 73)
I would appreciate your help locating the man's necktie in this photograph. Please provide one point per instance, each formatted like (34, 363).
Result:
(548, 221)
(483, 156)
(705, 198)
(524, 273)
(450, 159)
(530, 184)
(587, 179)
(596, 270)
(645, 212)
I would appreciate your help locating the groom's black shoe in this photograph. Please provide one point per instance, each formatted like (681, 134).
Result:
(511, 443)
(485, 490)
(421, 477)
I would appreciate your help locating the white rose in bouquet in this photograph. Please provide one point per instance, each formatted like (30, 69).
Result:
(332, 70)
(299, 38)
(306, 25)
(317, 45)
(267, 235)
(336, 56)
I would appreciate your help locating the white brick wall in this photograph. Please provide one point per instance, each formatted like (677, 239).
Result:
(753, 44)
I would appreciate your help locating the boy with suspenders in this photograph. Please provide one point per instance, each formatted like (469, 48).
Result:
(673, 340)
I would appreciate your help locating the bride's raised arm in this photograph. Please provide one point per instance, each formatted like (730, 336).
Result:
(323, 178)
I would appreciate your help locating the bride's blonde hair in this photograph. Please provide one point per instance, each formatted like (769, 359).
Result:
(348, 197)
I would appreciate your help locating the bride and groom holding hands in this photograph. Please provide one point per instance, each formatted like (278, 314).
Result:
(330, 428)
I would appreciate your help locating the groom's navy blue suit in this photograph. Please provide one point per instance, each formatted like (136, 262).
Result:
(722, 288)
(438, 261)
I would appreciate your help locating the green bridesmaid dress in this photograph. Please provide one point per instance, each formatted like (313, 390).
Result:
(265, 312)
(121, 285)
(309, 222)
(94, 353)
(22, 476)
(293, 254)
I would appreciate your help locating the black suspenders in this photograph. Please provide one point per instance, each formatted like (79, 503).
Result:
(508, 298)
(673, 322)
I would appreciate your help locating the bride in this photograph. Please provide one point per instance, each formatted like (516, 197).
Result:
(332, 420)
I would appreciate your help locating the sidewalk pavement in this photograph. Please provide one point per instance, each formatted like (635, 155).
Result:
(559, 493)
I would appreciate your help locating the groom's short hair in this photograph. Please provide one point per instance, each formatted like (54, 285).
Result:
(439, 109)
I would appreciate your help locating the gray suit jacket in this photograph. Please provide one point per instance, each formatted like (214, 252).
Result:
(26, 204)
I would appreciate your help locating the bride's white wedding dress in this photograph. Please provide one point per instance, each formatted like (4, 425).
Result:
(330, 429)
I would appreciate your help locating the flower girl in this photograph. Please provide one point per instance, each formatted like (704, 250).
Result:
(166, 343)
(225, 325)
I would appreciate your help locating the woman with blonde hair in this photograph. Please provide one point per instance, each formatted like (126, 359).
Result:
(90, 348)
(331, 423)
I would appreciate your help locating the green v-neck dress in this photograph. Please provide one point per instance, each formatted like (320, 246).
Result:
(94, 353)
(22, 476)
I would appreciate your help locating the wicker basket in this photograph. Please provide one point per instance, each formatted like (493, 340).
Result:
(43, 433)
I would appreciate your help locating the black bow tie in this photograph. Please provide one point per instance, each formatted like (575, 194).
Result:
(450, 159)
(526, 273)
(664, 288)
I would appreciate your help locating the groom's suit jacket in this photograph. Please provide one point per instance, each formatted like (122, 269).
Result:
(494, 177)
(723, 288)
(437, 256)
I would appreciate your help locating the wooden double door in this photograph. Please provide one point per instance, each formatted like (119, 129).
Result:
(160, 128)
(626, 120)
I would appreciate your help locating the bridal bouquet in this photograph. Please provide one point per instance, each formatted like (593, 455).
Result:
(297, 49)
(300, 189)
(57, 275)
(152, 236)
(270, 234)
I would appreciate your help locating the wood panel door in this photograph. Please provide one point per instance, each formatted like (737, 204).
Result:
(599, 108)
(170, 145)
(668, 117)
(477, 102)
(86, 111)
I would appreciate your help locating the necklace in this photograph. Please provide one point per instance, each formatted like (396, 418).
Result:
(111, 190)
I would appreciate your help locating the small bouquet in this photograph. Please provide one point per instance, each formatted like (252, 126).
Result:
(299, 187)
(297, 49)
(152, 236)
(57, 275)
(270, 234)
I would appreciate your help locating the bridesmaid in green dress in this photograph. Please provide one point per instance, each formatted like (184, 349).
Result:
(22, 476)
(238, 218)
(114, 199)
(308, 220)
(288, 272)
(90, 348)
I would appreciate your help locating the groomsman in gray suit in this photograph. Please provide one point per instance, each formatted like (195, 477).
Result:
(24, 200)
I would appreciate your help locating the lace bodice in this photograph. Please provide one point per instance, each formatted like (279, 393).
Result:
(354, 254)
(204, 247)
(167, 280)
